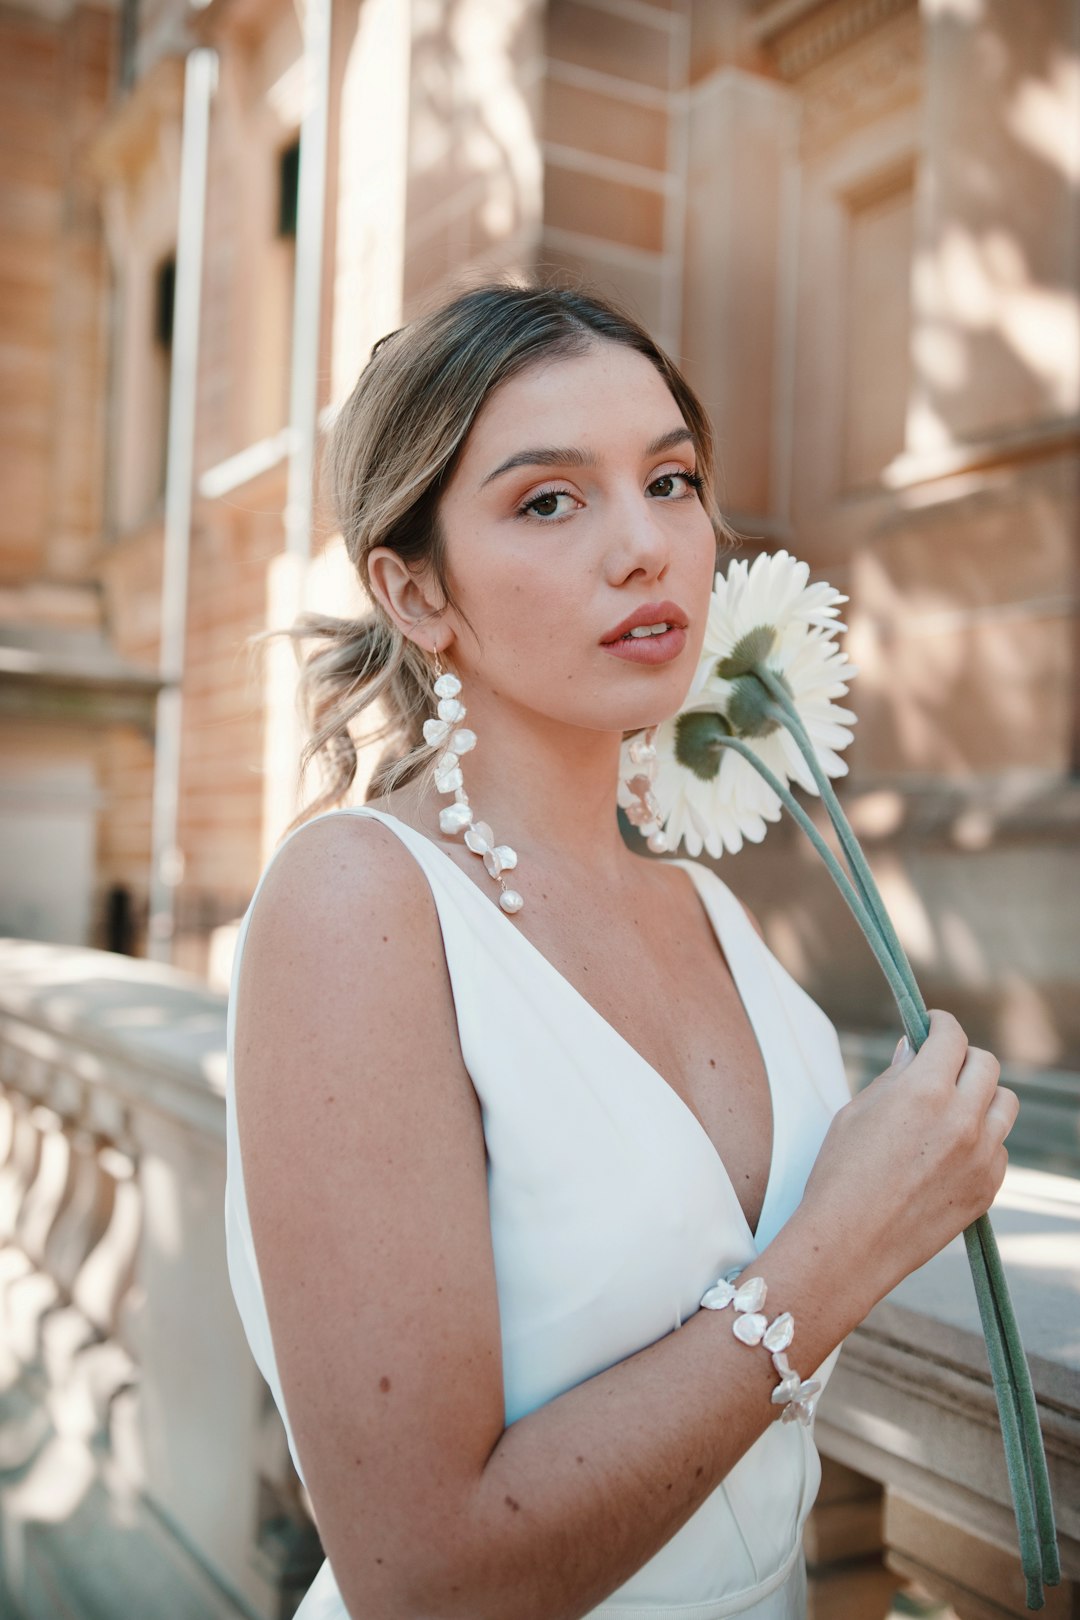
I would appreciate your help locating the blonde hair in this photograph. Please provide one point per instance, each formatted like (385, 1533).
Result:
(390, 453)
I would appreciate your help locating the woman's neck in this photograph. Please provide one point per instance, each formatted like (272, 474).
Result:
(549, 793)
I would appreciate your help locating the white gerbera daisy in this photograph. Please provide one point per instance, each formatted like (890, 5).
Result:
(765, 614)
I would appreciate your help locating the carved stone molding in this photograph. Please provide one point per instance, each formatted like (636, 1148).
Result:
(885, 71)
(799, 37)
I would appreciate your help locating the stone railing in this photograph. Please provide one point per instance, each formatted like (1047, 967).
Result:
(143, 1468)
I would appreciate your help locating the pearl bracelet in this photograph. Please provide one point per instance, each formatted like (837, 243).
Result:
(751, 1327)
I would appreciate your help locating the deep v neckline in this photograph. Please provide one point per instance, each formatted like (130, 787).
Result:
(742, 988)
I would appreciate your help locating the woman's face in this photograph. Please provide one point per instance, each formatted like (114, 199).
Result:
(595, 517)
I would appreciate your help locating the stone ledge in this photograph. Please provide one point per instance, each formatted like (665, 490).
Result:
(911, 1403)
(141, 1031)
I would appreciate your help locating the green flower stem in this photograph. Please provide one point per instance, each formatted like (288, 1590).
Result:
(844, 831)
(1029, 1414)
(1021, 1434)
(843, 882)
(1008, 1405)
(1038, 1552)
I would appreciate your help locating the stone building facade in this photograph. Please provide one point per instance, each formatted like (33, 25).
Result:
(855, 222)
(857, 225)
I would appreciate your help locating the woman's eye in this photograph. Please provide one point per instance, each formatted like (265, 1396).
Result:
(545, 505)
(691, 480)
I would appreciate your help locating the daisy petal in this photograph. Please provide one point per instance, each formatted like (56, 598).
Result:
(735, 804)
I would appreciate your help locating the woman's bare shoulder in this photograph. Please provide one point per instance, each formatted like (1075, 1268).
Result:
(334, 860)
(344, 921)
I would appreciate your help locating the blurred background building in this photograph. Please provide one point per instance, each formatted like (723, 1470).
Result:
(856, 224)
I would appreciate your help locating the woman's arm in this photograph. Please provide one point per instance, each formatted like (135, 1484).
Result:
(365, 1172)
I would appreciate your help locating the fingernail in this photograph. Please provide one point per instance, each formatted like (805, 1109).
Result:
(903, 1047)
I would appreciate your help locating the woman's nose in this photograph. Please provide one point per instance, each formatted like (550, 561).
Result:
(638, 536)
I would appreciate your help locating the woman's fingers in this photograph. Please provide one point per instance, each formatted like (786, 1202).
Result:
(978, 1074)
(1002, 1112)
(947, 1058)
(948, 1033)
(919, 1153)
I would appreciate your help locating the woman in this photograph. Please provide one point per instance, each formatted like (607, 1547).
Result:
(487, 1180)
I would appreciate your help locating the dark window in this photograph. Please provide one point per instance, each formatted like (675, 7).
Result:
(165, 302)
(119, 920)
(129, 39)
(164, 307)
(288, 187)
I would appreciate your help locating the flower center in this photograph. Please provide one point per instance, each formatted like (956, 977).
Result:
(699, 734)
(747, 708)
(698, 743)
(751, 649)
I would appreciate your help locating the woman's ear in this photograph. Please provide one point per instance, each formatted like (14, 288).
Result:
(400, 591)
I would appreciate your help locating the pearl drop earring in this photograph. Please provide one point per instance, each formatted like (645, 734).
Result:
(458, 817)
(636, 796)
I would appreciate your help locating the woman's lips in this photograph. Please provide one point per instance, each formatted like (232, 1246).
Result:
(659, 649)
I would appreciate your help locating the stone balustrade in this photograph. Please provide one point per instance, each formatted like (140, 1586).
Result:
(143, 1468)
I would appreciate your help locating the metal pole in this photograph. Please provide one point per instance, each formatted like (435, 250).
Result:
(200, 78)
(288, 575)
(307, 295)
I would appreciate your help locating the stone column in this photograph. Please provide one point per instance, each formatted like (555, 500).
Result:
(996, 316)
(737, 303)
(989, 481)
(371, 137)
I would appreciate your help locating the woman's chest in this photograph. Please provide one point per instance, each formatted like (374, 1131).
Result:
(610, 1207)
(663, 986)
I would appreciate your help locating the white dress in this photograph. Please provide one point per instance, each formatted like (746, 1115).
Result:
(611, 1212)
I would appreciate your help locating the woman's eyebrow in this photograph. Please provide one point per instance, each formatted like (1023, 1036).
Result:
(555, 457)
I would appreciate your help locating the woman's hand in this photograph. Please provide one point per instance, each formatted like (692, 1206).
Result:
(916, 1156)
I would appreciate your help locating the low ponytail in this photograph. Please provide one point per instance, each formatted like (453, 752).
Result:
(359, 662)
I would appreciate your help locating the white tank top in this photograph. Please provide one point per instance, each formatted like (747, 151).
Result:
(611, 1213)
